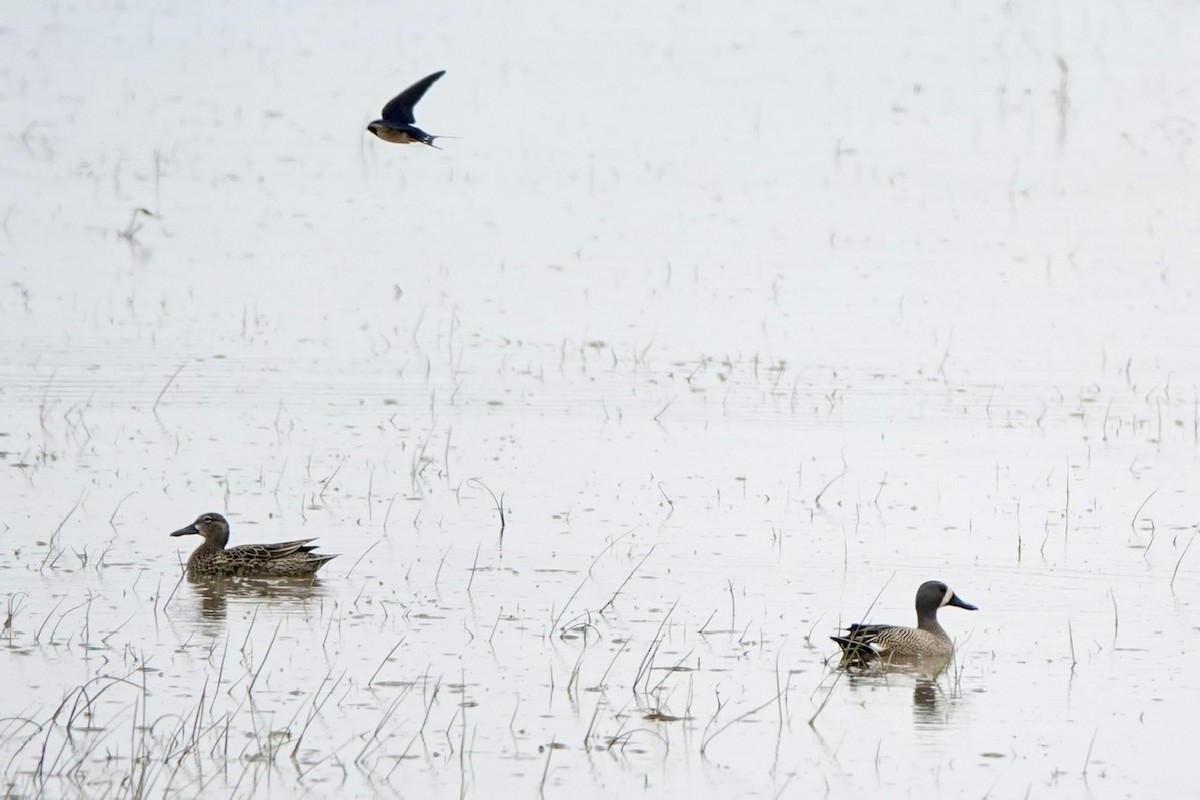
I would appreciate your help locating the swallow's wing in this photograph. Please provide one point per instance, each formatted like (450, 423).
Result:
(400, 109)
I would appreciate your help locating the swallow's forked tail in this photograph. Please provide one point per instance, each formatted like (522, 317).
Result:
(429, 141)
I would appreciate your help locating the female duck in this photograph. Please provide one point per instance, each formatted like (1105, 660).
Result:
(279, 560)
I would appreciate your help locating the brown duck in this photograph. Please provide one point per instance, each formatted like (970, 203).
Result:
(278, 560)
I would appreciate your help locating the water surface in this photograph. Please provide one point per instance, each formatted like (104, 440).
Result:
(749, 319)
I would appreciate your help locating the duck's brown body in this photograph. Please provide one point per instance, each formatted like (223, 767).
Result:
(278, 560)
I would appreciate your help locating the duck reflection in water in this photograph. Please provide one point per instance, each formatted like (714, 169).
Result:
(282, 595)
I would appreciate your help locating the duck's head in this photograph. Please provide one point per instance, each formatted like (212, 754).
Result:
(212, 526)
(934, 595)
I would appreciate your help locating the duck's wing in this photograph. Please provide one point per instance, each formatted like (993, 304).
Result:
(866, 633)
(267, 552)
(862, 642)
(400, 108)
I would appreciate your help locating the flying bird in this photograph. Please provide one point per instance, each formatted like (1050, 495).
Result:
(398, 124)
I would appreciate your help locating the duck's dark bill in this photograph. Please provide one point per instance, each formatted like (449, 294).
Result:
(190, 529)
(958, 601)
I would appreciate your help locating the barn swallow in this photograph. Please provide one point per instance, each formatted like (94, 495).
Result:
(397, 124)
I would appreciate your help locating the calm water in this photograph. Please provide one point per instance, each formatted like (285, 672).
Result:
(745, 317)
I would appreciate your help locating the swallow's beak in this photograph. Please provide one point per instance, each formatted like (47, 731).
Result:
(190, 529)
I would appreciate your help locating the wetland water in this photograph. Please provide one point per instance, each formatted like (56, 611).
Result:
(745, 316)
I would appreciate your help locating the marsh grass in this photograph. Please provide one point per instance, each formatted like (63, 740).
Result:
(13, 606)
(1174, 572)
(498, 501)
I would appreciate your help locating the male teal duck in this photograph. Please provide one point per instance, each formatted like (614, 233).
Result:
(864, 644)
(278, 560)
